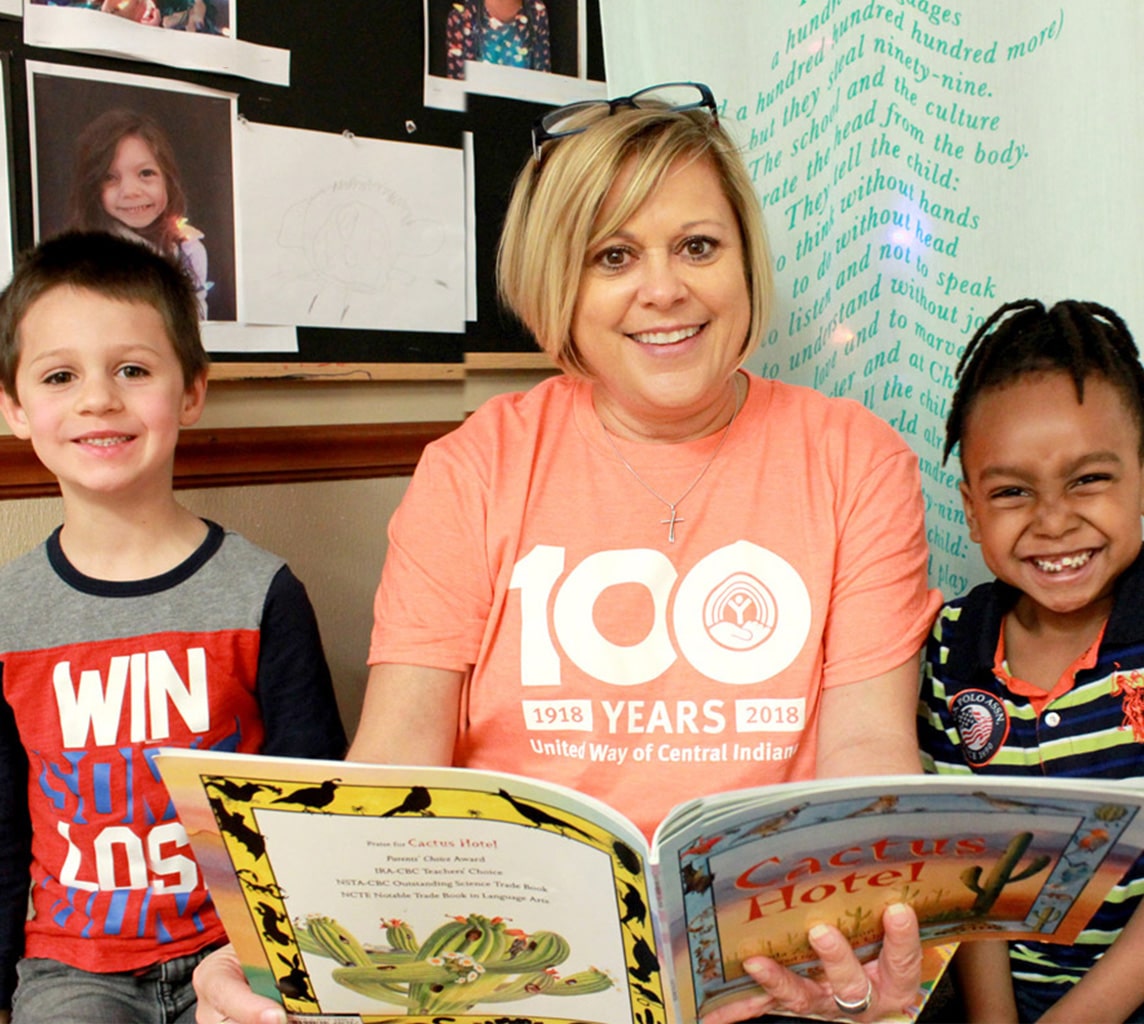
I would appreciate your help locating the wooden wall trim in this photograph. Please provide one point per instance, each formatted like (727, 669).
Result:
(509, 361)
(246, 456)
(353, 373)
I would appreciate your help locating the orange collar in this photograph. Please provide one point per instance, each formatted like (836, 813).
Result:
(1037, 696)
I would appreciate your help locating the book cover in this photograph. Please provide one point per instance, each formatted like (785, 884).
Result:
(976, 858)
(377, 893)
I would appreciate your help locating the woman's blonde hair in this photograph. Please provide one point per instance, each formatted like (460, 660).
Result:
(551, 223)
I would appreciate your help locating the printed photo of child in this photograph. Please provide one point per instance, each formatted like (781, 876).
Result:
(211, 17)
(126, 181)
(509, 32)
(150, 164)
(532, 50)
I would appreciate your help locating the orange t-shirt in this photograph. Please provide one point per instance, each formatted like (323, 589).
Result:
(640, 671)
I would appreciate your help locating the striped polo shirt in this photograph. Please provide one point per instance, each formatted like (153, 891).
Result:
(971, 720)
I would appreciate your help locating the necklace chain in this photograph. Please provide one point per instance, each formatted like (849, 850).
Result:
(673, 516)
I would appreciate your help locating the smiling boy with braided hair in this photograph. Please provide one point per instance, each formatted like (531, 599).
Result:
(1041, 672)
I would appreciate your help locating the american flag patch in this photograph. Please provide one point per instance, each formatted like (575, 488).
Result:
(982, 723)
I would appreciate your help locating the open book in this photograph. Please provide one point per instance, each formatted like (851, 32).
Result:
(427, 894)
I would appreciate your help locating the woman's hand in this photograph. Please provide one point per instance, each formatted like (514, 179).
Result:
(226, 996)
(891, 981)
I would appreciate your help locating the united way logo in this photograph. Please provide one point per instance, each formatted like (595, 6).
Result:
(740, 613)
(982, 723)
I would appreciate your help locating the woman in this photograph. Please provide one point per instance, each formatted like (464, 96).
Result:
(662, 554)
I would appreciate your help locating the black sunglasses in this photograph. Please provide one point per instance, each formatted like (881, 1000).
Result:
(575, 117)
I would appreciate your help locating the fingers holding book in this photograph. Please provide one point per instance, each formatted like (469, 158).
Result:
(849, 990)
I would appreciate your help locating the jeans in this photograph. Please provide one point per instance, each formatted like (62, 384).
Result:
(49, 992)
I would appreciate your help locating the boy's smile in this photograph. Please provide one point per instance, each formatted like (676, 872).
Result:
(1054, 490)
(100, 392)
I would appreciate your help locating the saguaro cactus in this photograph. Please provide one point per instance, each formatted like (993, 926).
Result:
(1002, 874)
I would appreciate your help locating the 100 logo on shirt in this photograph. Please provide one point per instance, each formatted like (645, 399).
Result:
(725, 614)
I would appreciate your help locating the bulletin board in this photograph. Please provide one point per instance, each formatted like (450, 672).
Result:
(355, 68)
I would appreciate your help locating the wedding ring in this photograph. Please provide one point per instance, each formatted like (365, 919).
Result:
(860, 1005)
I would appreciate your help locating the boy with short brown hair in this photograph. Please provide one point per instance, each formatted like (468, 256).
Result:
(136, 625)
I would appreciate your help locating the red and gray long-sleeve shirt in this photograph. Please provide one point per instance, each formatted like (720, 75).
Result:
(220, 653)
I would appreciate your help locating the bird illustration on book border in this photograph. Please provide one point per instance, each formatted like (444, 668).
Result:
(314, 798)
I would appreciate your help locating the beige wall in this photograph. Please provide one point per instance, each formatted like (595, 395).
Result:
(332, 534)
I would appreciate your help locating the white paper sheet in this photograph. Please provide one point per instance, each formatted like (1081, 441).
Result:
(91, 31)
(234, 337)
(340, 231)
(7, 250)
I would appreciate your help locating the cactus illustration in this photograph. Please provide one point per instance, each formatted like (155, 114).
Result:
(306, 943)
(465, 961)
(908, 893)
(490, 989)
(859, 916)
(935, 897)
(400, 936)
(1002, 874)
(334, 941)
